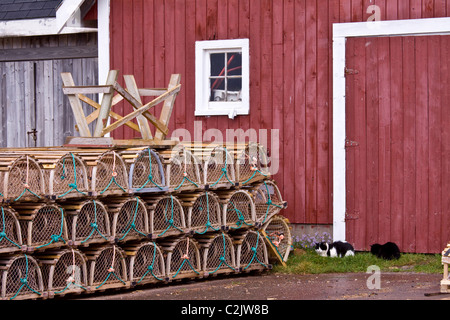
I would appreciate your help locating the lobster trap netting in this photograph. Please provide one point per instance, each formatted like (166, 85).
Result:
(21, 278)
(64, 271)
(252, 252)
(218, 169)
(146, 263)
(218, 254)
(147, 173)
(129, 218)
(251, 163)
(107, 267)
(239, 210)
(22, 178)
(166, 216)
(109, 175)
(69, 178)
(88, 222)
(43, 226)
(183, 257)
(10, 231)
(183, 170)
(268, 201)
(205, 213)
(278, 234)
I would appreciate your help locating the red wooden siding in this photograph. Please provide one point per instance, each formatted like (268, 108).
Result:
(290, 81)
(397, 111)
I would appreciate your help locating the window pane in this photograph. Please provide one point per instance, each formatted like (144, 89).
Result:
(217, 89)
(217, 64)
(234, 89)
(234, 64)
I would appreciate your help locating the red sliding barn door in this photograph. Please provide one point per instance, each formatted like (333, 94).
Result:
(398, 142)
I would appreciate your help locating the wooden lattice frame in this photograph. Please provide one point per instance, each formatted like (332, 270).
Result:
(132, 94)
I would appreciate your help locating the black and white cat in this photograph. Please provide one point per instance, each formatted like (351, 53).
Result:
(387, 251)
(336, 249)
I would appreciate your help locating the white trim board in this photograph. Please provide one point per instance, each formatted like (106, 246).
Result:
(45, 26)
(342, 31)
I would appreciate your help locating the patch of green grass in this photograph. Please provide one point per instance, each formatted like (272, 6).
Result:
(311, 263)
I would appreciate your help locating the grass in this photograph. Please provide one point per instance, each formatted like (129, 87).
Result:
(309, 262)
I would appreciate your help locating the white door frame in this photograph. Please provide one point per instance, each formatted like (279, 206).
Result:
(342, 31)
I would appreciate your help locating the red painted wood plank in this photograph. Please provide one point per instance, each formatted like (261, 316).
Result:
(180, 62)
(422, 148)
(299, 116)
(435, 144)
(350, 163)
(323, 132)
(189, 84)
(289, 166)
(359, 152)
(311, 116)
(397, 156)
(384, 138)
(409, 145)
(169, 48)
(372, 139)
(255, 64)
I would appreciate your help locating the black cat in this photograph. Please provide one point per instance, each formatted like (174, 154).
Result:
(387, 251)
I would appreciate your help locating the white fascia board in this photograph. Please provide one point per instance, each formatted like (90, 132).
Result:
(44, 26)
(342, 31)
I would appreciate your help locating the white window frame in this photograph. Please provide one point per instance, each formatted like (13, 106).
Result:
(204, 107)
(342, 31)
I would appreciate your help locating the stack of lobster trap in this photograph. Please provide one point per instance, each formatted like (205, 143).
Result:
(81, 220)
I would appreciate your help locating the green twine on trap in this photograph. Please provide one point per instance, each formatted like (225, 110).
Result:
(150, 267)
(185, 258)
(255, 170)
(241, 218)
(132, 224)
(113, 177)
(72, 186)
(208, 223)
(269, 203)
(224, 172)
(94, 225)
(223, 258)
(26, 185)
(71, 280)
(3, 233)
(170, 221)
(56, 237)
(111, 271)
(150, 176)
(255, 251)
(24, 281)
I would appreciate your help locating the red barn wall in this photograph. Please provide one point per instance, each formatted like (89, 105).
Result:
(290, 73)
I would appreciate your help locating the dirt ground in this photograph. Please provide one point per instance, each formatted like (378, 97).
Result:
(348, 286)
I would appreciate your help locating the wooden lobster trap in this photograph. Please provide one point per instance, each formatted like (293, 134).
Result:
(251, 162)
(238, 208)
(218, 254)
(88, 222)
(22, 178)
(183, 169)
(166, 215)
(67, 177)
(108, 173)
(43, 226)
(146, 171)
(128, 217)
(277, 233)
(107, 267)
(268, 201)
(445, 282)
(64, 271)
(21, 278)
(10, 234)
(145, 262)
(183, 257)
(251, 251)
(202, 211)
